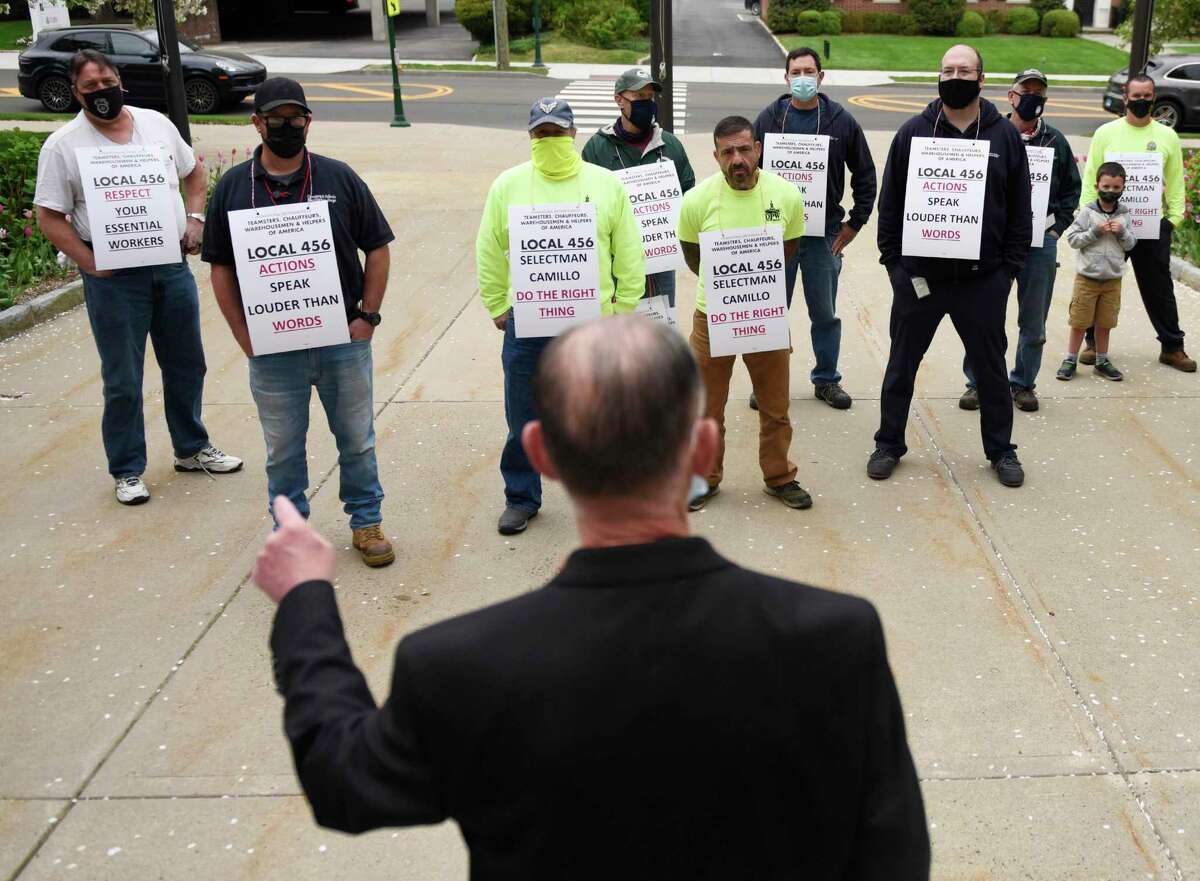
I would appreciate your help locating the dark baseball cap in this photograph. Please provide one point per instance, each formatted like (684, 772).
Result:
(1032, 74)
(279, 91)
(634, 79)
(551, 110)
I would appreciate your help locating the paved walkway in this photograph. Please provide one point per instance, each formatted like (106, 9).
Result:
(1044, 639)
(720, 33)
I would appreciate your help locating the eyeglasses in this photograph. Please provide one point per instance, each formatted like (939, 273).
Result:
(949, 73)
(293, 121)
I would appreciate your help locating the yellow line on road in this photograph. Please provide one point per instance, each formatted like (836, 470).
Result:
(435, 91)
(10, 92)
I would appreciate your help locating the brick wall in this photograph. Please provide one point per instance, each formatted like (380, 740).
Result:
(203, 28)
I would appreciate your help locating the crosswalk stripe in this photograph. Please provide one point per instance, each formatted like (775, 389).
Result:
(591, 100)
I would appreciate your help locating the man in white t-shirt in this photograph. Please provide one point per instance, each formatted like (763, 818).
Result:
(124, 305)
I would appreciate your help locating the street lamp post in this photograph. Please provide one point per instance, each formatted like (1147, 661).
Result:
(662, 61)
(537, 34)
(1139, 45)
(391, 9)
(168, 48)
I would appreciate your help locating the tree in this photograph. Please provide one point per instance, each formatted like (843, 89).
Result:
(142, 11)
(1173, 20)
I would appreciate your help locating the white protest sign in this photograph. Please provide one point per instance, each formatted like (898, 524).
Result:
(47, 15)
(287, 271)
(656, 195)
(745, 290)
(803, 160)
(657, 309)
(943, 198)
(1041, 166)
(1143, 191)
(554, 267)
(131, 206)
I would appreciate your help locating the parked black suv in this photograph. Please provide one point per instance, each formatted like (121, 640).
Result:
(212, 80)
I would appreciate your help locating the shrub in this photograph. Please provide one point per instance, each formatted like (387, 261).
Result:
(936, 16)
(1060, 23)
(909, 26)
(971, 25)
(1022, 20)
(476, 17)
(1185, 241)
(831, 22)
(602, 23)
(853, 23)
(884, 23)
(997, 20)
(809, 23)
(1044, 6)
(784, 15)
(26, 256)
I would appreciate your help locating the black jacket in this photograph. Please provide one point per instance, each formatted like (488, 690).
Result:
(1064, 178)
(1007, 215)
(654, 712)
(847, 149)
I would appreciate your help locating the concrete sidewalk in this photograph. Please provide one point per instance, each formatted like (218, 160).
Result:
(1044, 639)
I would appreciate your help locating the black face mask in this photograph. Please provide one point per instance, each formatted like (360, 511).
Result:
(957, 94)
(1109, 199)
(104, 103)
(1140, 108)
(641, 113)
(286, 141)
(1030, 107)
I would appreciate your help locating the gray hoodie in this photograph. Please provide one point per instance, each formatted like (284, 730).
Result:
(1101, 255)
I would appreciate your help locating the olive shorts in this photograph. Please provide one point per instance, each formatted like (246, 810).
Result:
(1095, 302)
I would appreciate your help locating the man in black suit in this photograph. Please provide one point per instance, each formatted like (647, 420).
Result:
(654, 712)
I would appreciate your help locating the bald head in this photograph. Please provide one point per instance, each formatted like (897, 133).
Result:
(962, 57)
(617, 399)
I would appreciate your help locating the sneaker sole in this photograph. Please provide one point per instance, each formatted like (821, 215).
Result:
(188, 469)
(1025, 408)
(377, 562)
(139, 500)
(836, 406)
(1011, 483)
(699, 506)
(1064, 378)
(803, 506)
(1189, 369)
(971, 407)
(1110, 378)
(508, 530)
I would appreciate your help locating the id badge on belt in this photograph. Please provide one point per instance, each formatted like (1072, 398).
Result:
(921, 286)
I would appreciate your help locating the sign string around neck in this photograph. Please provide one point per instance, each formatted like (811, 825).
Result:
(305, 188)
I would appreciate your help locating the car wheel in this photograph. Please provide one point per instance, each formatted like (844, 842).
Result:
(1168, 113)
(55, 94)
(755, 9)
(202, 96)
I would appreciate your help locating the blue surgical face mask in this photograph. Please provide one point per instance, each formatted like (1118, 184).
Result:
(804, 88)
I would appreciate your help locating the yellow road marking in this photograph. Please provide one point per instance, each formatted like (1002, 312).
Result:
(10, 92)
(1074, 109)
(435, 91)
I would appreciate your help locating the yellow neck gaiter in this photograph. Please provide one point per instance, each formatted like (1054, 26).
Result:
(556, 158)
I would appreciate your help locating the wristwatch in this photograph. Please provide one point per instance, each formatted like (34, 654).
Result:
(371, 318)
(195, 215)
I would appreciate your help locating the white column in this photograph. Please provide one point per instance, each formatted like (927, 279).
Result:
(1101, 13)
(378, 21)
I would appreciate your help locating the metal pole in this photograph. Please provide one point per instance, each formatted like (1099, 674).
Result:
(398, 120)
(1139, 46)
(168, 48)
(661, 60)
(537, 33)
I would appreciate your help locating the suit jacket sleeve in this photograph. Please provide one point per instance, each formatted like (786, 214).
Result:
(361, 767)
(890, 231)
(862, 177)
(892, 840)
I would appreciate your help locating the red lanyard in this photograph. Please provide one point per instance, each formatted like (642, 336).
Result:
(267, 184)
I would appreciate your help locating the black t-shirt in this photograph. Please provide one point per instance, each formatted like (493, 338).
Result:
(357, 221)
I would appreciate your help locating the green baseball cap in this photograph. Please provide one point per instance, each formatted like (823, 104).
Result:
(634, 79)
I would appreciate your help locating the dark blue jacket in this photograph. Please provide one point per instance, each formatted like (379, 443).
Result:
(847, 149)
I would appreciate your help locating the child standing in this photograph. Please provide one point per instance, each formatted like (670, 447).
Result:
(1101, 235)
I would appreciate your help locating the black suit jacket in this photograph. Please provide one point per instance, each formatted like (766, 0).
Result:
(654, 712)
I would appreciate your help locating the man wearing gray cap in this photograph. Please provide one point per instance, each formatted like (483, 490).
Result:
(1035, 284)
(557, 179)
(636, 139)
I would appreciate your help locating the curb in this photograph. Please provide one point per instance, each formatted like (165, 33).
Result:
(1185, 272)
(763, 25)
(25, 315)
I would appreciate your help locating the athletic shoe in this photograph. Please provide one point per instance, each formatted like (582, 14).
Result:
(969, 399)
(1025, 399)
(1066, 370)
(791, 494)
(753, 401)
(514, 521)
(131, 490)
(1008, 469)
(372, 544)
(881, 465)
(1088, 355)
(1108, 370)
(695, 503)
(210, 460)
(833, 395)
(1179, 360)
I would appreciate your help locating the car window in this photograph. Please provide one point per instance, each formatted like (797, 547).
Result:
(128, 44)
(73, 42)
(184, 46)
(1186, 72)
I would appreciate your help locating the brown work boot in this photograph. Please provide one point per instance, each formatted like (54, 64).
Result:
(376, 550)
(1088, 355)
(1179, 360)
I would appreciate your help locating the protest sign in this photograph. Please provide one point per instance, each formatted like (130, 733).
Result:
(745, 290)
(554, 267)
(656, 195)
(132, 206)
(803, 160)
(943, 198)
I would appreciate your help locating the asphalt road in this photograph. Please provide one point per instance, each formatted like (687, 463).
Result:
(502, 100)
(719, 33)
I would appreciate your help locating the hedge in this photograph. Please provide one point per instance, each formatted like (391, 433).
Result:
(936, 16)
(1022, 20)
(1060, 23)
(26, 256)
(971, 25)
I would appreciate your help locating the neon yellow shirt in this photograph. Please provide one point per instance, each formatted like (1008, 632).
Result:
(1119, 136)
(619, 238)
(713, 204)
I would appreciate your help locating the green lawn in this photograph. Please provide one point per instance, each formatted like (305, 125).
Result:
(40, 116)
(11, 31)
(561, 50)
(1001, 53)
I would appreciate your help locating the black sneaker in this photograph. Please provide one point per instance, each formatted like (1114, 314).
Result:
(969, 399)
(695, 503)
(1109, 370)
(514, 521)
(881, 465)
(833, 395)
(1066, 370)
(1008, 469)
(753, 401)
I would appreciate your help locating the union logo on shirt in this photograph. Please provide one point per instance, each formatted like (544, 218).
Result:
(772, 214)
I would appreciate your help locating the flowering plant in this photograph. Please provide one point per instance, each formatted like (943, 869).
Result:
(1185, 241)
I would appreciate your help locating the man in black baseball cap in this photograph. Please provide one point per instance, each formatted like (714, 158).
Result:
(284, 171)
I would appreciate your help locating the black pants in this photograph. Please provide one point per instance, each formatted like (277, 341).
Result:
(1151, 259)
(977, 307)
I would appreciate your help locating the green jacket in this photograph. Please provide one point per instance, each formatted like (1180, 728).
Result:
(606, 149)
(619, 248)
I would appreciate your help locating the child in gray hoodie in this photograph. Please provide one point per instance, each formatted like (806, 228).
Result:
(1101, 234)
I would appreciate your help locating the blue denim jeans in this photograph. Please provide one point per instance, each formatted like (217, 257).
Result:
(160, 301)
(282, 387)
(522, 484)
(660, 283)
(819, 271)
(1035, 287)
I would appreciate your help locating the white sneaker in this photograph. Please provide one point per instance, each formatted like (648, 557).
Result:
(131, 490)
(209, 459)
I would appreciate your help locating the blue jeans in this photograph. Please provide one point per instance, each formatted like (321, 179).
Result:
(522, 484)
(660, 283)
(282, 387)
(819, 271)
(1035, 287)
(160, 301)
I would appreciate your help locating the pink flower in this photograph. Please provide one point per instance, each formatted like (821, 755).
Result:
(233, 152)
(28, 231)
(29, 214)
(201, 157)
(3, 233)
(1, 209)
